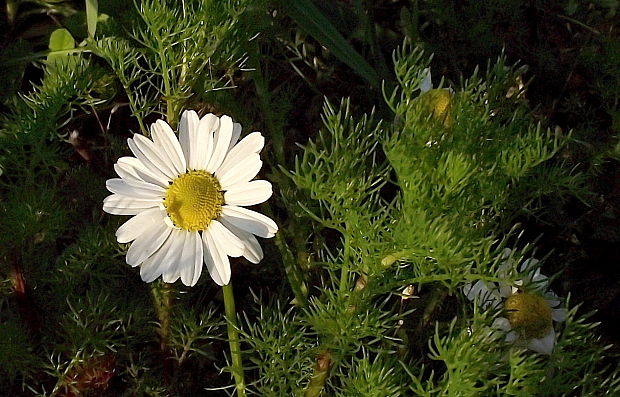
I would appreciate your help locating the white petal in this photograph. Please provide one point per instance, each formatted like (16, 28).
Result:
(506, 290)
(252, 249)
(222, 138)
(512, 336)
(130, 163)
(170, 267)
(150, 264)
(552, 299)
(507, 265)
(242, 172)
(186, 259)
(148, 164)
(504, 269)
(125, 172)
(199, 259)
(250, 193)
(168, 276)
(253, 143)
(209, 262)
(147, 243)
(151, 156)
(502, 323)
(426, 84)
(486, 293)
(216, 260)
(558, 315)
(201, 143)
(164, 138)
(250, 221)
(139, 171)
(537, 277)
(529, 264)
(225, 239)
(117, 204)
(187, 128)
(135, 226)
(539, 281)
(166, 260)
(475, 290)
(543, 345)
(192, 260)
(173, 264)
(147, 176)
(135, 189)
(236, 133)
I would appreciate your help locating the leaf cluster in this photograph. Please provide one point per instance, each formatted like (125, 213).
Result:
(175, 51)
(424, 200)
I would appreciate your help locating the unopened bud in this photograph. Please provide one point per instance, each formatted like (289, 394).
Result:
(438, 102)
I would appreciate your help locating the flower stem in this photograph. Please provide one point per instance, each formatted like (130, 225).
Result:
(162, 299)
(233, 338)
(344, 272)
(292, 267)
(293, 271)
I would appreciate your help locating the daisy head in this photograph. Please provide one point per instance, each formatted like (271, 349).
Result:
(528, 308)
(187, 198)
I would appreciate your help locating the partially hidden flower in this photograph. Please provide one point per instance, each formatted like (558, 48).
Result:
(529, 309)
(187, 198)
(437, 101)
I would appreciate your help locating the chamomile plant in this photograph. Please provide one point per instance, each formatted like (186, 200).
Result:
(380, 256)
(414, 211)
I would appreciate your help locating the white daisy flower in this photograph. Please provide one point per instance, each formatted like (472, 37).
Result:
(529, 308)
(187, 198)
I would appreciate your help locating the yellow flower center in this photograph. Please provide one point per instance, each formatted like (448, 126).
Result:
(529, 314)
(438, 102)
(193, 200)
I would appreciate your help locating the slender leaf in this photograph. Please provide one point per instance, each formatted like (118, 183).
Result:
(313, 22)
(91, 16)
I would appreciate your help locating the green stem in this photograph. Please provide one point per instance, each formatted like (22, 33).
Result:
(162, 299)
(170, 102)
(293, 271)
(265, 102)
(344, 272)
(233, 338)
(292, 267)
(133, 105)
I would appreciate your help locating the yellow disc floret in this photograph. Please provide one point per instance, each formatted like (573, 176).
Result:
(438, 102)
(193, 200)
(529, 314)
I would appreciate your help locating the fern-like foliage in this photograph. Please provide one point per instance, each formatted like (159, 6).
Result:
(427, 201)
(175, 51)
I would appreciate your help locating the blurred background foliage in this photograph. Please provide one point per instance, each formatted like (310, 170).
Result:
(291, 57)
